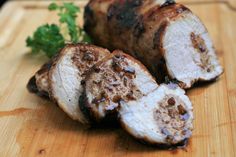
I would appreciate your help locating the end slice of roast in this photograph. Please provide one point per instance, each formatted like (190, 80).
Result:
(163, 117)
(116, 78)
(67, 74)
(188, 51)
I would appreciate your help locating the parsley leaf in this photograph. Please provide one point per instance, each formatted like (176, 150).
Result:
(50, 39)
(46, 38)
(67, 13)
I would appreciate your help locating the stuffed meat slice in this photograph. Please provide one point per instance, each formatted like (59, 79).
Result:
(118, 77)
(188, 51)
(163, 117)
(67, 74)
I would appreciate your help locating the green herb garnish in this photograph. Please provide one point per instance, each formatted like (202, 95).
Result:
(50, 39)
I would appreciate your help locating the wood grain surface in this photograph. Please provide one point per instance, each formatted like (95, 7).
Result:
(31, 126)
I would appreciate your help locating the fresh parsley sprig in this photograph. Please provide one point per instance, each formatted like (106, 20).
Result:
(50, 39)
(47, 39)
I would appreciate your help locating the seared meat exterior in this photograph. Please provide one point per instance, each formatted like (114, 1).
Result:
(116, 78)
(67, 74)
(120, 85)
(167, 37)
(38, 83)
(41, 77)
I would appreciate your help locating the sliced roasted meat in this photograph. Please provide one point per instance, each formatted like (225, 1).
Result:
(67, 74)
(167, 37)
(116, 78)
(163, 117)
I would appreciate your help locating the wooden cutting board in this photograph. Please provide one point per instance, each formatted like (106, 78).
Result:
(31, 126)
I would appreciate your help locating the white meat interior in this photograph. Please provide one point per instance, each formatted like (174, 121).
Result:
(156, 120)
(185, 61)
(66, 86)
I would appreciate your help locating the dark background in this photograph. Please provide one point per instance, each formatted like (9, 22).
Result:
(2, 2)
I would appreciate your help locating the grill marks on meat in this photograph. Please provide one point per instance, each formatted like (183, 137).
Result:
(124, 12)
(144, 29)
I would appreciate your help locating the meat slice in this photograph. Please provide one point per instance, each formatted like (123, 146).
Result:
(116, 78)
(189, 52)
(165, 36)
(67, 74)
(163, 117)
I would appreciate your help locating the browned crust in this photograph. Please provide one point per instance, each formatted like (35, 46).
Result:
(32, 83)
(160, 69)
(32, 88)
(158, 37)
(45, 67)
(84, 107)
(169, 12)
